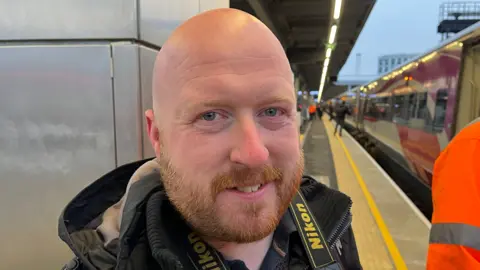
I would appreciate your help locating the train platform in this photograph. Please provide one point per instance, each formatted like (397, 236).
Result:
(390, 231)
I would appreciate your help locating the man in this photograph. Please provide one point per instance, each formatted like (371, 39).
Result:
(222, 190)
(312, 109)
(319, 111)
(455, 232)
(341, 111)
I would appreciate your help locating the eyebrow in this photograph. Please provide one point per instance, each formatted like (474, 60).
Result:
(210, 104)
(275, 100)
(196, 106)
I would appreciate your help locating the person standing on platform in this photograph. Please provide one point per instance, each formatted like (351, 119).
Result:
(226, 188)
(312, 110)
(340, 113)
(319, 111)
(455, 232)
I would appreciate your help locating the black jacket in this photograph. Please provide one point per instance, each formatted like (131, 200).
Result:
(341, 112)
(151, 228)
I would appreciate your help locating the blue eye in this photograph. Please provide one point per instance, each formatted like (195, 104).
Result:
(271, 112)
(209, 116)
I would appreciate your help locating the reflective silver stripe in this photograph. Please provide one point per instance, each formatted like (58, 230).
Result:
(455, 234)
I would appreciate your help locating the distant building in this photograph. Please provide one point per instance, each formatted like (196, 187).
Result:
(388, 62)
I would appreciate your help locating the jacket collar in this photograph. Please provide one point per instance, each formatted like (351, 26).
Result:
(330, 207)
(85, 210)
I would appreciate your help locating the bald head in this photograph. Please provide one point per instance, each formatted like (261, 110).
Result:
(214, 38)
(225, 116)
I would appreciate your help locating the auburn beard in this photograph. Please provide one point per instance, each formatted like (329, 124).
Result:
(196, 203)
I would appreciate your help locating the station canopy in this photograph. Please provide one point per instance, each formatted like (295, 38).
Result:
(318, 35)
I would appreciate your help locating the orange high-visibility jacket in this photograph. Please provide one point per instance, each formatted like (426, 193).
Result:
(455, 232)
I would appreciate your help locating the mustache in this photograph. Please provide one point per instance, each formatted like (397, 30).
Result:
(245, 177)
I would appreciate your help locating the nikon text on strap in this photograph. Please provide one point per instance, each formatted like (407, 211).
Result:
(317, 248)
(204, 257)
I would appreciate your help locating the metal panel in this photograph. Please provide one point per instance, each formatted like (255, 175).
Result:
(128, 110)
(147, 61)
(213, 4)
(67, 19)
(158, 18)
(56, 137)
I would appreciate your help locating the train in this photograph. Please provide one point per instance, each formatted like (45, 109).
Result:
(406, 117)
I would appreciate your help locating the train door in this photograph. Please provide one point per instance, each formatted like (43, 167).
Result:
(358, 109)
(362, 99)
(468, 106)
(366, 101)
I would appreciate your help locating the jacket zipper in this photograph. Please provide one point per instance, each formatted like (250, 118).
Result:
(341, 228)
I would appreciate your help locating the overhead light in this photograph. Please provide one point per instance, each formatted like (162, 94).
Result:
(326, 63)
(333, 32)
(336, 11)
(329, 53)
(322, 83)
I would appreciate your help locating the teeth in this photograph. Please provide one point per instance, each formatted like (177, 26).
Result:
(249, 189)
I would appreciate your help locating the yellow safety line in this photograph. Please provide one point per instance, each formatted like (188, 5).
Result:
(301, 138)
(387, 237)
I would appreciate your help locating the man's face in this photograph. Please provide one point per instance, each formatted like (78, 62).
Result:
(228, 145)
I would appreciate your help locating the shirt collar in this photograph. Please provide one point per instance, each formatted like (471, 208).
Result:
(279, 248)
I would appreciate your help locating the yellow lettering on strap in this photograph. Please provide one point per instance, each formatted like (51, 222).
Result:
(312, 238)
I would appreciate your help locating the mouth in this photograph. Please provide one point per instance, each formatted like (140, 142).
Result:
(251, 190)
(250, 193)
(248, 189)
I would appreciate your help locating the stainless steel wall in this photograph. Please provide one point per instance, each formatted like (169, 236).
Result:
(148, 20)
(147, 60)
(157, 19)
(56, 136)
(127, 103)
(67, 19)
(70, 113)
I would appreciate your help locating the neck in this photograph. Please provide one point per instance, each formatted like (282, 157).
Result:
(252, 254)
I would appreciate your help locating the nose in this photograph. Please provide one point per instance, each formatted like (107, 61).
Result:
(249, 149)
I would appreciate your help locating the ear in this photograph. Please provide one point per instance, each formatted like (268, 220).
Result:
(153, 131)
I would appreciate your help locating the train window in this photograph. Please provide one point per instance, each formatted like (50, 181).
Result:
(417, 107)
(370, 110)
(383, 108)
(411, 106)
(391, 108)
(399, 109)
(352, 104)
(423, 115)
(440, 110)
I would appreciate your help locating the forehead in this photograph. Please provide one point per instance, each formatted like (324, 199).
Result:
(241, 78)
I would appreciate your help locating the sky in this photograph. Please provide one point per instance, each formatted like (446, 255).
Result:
(395, 26)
